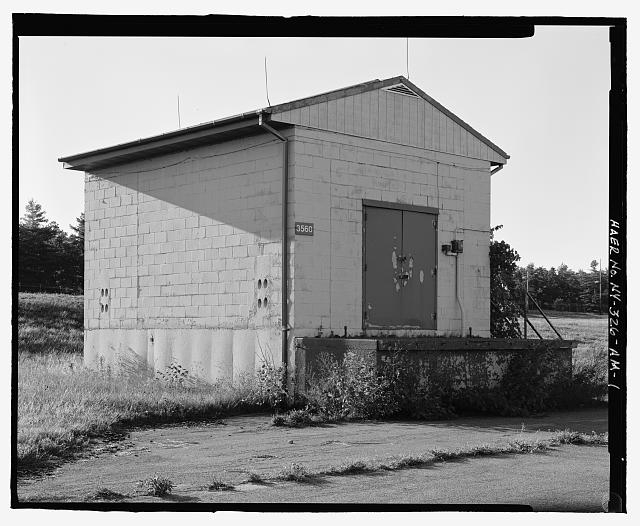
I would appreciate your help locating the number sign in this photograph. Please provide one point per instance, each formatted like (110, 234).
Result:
(304, 229)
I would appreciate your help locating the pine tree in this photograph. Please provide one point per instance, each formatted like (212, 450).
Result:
(48, 259)
(34, 216)
(75, 266)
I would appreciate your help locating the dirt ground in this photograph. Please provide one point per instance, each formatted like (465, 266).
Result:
(567, 478)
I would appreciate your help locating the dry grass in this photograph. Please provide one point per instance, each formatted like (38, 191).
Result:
(62, 404)
(50, 324)
(589, 329)
(518, 446)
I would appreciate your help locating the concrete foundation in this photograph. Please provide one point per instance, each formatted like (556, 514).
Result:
(457, 362)
(208, 355)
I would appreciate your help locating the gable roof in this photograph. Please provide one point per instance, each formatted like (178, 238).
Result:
(382, 84)
(246, 123)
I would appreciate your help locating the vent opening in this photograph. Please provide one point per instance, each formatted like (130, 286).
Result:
(402, 89)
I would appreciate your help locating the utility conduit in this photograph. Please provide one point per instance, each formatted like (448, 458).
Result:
(285, 248)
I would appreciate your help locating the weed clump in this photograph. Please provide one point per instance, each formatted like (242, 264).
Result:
(255, 478)
(218, 485)
(352, 468)
(519, 445)
(156, 486)
(406, 462)
(576, 438)
(295, 472)
(106, 494)
(295, 418)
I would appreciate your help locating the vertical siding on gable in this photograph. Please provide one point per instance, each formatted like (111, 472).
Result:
(463, 141)
(313, 116)
(357, 115)
(323, 114)
(449, 132)
(394, 118)
(382, 115)
(413, 121)
(340, 115)
(332, 123)
(428, 126)
(397, 118)
(436, 131)
(366, 114)
(374, 108)
(420, 124)
(348, 115)
(304, 116)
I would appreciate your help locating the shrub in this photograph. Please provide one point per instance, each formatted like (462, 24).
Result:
(156, 486)
(268, 387)
(505, 307)
(293, 418)
(349, 388)
(355, 388)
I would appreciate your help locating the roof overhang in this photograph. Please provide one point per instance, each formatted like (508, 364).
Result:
(179, 140)
(236, 126)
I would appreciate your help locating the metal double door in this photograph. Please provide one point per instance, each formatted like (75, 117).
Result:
(400, 268)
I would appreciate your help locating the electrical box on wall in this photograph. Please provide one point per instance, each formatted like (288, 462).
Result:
(456, 246)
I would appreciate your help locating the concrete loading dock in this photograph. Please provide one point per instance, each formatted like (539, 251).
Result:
(386, 214)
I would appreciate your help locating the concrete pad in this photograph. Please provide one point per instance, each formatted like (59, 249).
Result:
(190, 455)
(572, 478)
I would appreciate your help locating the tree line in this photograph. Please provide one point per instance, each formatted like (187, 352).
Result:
(49, 259)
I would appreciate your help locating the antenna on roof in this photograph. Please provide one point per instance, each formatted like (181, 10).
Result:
(178, 111)
(407, 58)
(266, 84)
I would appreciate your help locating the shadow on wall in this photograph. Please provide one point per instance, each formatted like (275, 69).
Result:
(236, 183)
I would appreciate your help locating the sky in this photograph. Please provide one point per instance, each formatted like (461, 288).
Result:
(544, 100)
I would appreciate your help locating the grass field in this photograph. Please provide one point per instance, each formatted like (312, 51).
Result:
(62, 404)
(589, 329)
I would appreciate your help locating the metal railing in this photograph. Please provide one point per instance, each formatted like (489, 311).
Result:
(528, 297)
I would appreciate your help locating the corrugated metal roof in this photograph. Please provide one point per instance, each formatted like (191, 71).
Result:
(242, 124)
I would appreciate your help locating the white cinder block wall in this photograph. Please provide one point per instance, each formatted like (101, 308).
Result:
(175, 246)
(178, 246)
(334, 172)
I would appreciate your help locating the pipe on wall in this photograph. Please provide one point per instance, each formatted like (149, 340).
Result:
(458, 297)
(285, 248)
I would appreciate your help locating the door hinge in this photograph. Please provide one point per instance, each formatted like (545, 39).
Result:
(365, 267)
(434, 271)
(434, 223)
(433, 316)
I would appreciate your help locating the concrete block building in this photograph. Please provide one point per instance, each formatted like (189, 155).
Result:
(362, 211)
